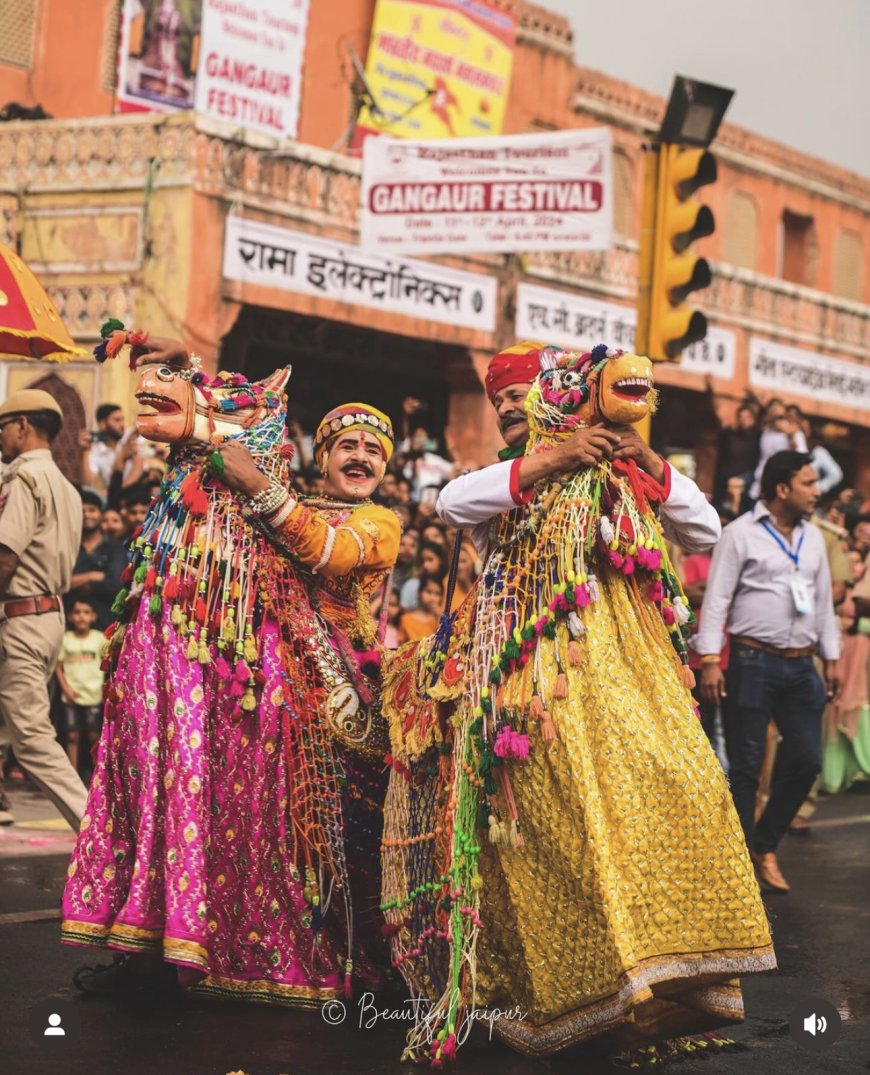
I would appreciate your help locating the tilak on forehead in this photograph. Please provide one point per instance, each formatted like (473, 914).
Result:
(350, 418)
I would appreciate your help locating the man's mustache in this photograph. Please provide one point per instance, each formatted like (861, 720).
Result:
(511, 418)
(358, 466)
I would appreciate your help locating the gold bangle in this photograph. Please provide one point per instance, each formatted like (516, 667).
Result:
(711, 658)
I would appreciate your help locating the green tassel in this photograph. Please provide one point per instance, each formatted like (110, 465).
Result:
(140, 572)
(155, 605)
(119, 605)
(110, 326)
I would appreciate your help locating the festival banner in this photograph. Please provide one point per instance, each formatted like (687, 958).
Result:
(437, 69)
(795, 372)
(158, 55)
(549, 191)
(580, 322)
(258, 253)
(251, 67)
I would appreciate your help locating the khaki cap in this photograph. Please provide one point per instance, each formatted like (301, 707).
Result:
(28, 400)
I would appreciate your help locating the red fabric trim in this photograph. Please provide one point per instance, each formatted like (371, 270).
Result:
(643, 485)
(519, 496)
(666, 481)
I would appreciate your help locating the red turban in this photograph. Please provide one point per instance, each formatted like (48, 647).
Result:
(519, 364)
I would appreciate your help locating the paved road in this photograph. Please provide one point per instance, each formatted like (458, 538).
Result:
(822, 934)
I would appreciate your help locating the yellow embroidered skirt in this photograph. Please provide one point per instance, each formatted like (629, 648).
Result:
(631, 906)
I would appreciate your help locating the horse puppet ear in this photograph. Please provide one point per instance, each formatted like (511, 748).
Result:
(277, 381)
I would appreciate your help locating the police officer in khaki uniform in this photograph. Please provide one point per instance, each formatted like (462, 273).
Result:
(40, 533)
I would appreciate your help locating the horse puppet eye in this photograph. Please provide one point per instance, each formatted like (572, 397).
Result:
(571, 379)
(164, 373)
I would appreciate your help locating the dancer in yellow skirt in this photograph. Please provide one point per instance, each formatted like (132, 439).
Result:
(560, 846)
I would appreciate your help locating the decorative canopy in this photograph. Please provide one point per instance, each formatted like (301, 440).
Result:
(30, 326)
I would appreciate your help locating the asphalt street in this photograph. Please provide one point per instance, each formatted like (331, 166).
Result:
(821, 930)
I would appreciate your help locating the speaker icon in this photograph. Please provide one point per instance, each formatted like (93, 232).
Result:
(814, 1023)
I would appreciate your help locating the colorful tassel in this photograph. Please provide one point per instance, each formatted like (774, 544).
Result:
(536, 708)
(575, 654)
(249, 700)
(548, 728)
(119, 605)
(560, 690)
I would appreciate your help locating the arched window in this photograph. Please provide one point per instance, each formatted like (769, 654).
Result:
(848, 257)
(740, 231)
(623, 194)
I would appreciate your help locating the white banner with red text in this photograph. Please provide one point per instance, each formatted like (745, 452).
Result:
(250, 68)
(549, 191)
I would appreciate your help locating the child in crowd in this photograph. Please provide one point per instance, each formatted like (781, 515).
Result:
(424, 620)
(81, 683)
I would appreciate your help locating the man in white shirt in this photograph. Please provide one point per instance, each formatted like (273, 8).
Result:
(770, 585)
(475, 499)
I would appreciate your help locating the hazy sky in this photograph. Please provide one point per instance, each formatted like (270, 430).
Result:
(800, 67)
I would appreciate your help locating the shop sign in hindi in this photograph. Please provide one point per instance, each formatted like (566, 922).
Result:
(270, 256)
(437, 69)
(794, 372)
(549, 191)
(250, 69)
(580, 322)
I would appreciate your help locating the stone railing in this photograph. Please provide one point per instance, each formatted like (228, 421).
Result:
(764, 304)
(102, 153)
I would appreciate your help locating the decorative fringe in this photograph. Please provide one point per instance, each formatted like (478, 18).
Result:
(560, 688)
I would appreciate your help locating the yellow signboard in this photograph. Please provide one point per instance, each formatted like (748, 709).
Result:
(437, 69)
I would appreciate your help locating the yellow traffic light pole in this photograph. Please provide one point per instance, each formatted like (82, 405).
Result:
(645, 267)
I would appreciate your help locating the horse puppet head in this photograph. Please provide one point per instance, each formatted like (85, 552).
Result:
(580, 389)
(181, 407)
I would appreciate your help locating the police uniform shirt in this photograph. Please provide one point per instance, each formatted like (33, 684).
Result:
(41, 522)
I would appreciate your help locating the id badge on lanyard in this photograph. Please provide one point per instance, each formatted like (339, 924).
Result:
(801, 594)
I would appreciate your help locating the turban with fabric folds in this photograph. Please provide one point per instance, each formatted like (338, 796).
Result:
(349, 417)
(519, 364)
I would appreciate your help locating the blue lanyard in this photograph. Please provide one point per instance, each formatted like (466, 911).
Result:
(793, 556)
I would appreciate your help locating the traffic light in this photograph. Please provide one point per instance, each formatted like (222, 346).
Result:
(674, 272)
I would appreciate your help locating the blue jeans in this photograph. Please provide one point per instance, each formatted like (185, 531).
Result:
(759, 687)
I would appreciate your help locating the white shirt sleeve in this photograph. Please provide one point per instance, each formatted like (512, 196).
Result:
(688, 519)
(718, 594)
(477, 497)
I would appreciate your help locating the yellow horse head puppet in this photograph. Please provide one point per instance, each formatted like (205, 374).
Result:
(580, 389)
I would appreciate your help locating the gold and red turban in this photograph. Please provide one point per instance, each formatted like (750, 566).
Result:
(354, 416)
(519, 364)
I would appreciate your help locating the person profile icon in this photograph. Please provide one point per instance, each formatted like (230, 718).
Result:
(54, 1029)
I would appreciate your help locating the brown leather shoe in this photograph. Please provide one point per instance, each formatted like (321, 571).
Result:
(767, 871)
